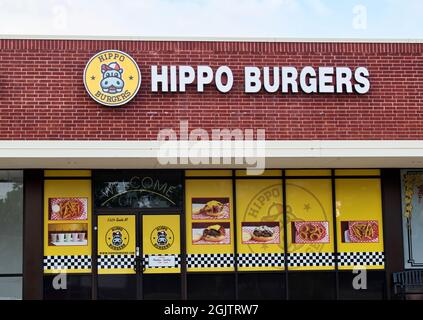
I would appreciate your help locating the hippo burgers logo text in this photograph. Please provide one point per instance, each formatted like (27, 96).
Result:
(112, 78)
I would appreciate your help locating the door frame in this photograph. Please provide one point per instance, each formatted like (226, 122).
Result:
(139, 260)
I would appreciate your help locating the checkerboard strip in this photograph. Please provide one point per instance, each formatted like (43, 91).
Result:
(361, 258)
(77, 262)
(260, 259)
(116, 261)
(216, 260)
(177, 261)
(311, 259)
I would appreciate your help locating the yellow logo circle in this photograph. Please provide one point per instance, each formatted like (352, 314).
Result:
(117, 238)
(112, 78)
(162, 237)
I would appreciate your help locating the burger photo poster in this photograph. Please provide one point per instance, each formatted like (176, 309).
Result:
(209, 224)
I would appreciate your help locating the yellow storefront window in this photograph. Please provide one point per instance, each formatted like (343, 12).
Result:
(308, 172)
(67, 226)
(259, 225)
(357, 172)
(209, 216)
(359, 223)
(208, 173)
(265, 173)
(310, 220)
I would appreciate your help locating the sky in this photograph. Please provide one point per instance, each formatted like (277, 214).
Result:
(362, 19)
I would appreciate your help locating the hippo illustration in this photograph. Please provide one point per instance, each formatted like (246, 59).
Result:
(117, 238)
(161, 238)
(112, 81)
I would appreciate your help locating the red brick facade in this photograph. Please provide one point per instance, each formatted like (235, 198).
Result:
(42, 95)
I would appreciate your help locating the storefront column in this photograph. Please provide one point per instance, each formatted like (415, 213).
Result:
(392, 221)
(33, 235)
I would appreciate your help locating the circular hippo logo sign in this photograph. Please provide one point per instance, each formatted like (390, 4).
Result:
(112, 78)
(117, 238)
(162, 237)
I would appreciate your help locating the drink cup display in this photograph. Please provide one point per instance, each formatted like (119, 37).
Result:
(54, 237)
(81, 236)
(75, 237)
(61, 237)
(68, 237)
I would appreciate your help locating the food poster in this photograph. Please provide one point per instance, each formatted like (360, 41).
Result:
(260, 225)
(310, 224)
(211, 233)
(209, 219)
(359, 220)
(210, 208)
(116, 244)
(67, 226)
(161, 243)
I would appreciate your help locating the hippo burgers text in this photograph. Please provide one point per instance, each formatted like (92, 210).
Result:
(113, 78)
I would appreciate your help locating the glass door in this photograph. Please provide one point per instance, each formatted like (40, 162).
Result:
(138, 256)
(161, 256)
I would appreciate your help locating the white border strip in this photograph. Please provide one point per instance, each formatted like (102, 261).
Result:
(279, 153)
(206, 39)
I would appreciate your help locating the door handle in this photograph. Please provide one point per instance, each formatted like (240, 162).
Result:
(139, 263)
(142, 264)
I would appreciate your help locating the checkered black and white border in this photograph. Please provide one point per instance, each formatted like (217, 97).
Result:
(260, 259)
(116, 261)
(177, 261)
(77, 262)
(361, 259)
(215, 260)
(311, 259)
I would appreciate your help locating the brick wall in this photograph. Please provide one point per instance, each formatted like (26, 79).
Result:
(42, 95)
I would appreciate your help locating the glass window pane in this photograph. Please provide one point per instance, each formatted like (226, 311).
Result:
(320, 285)
(261, 286)
(208, 173)
(68, 287)
(211, 286)
(161, 286)
(11, 216)
(412, 215)
(138, 189)
(266, 173)
(375, 286)
(117, 287)
(307, 172)
(10, 288)
(357, 172)
(67, 173)
(310, 224)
